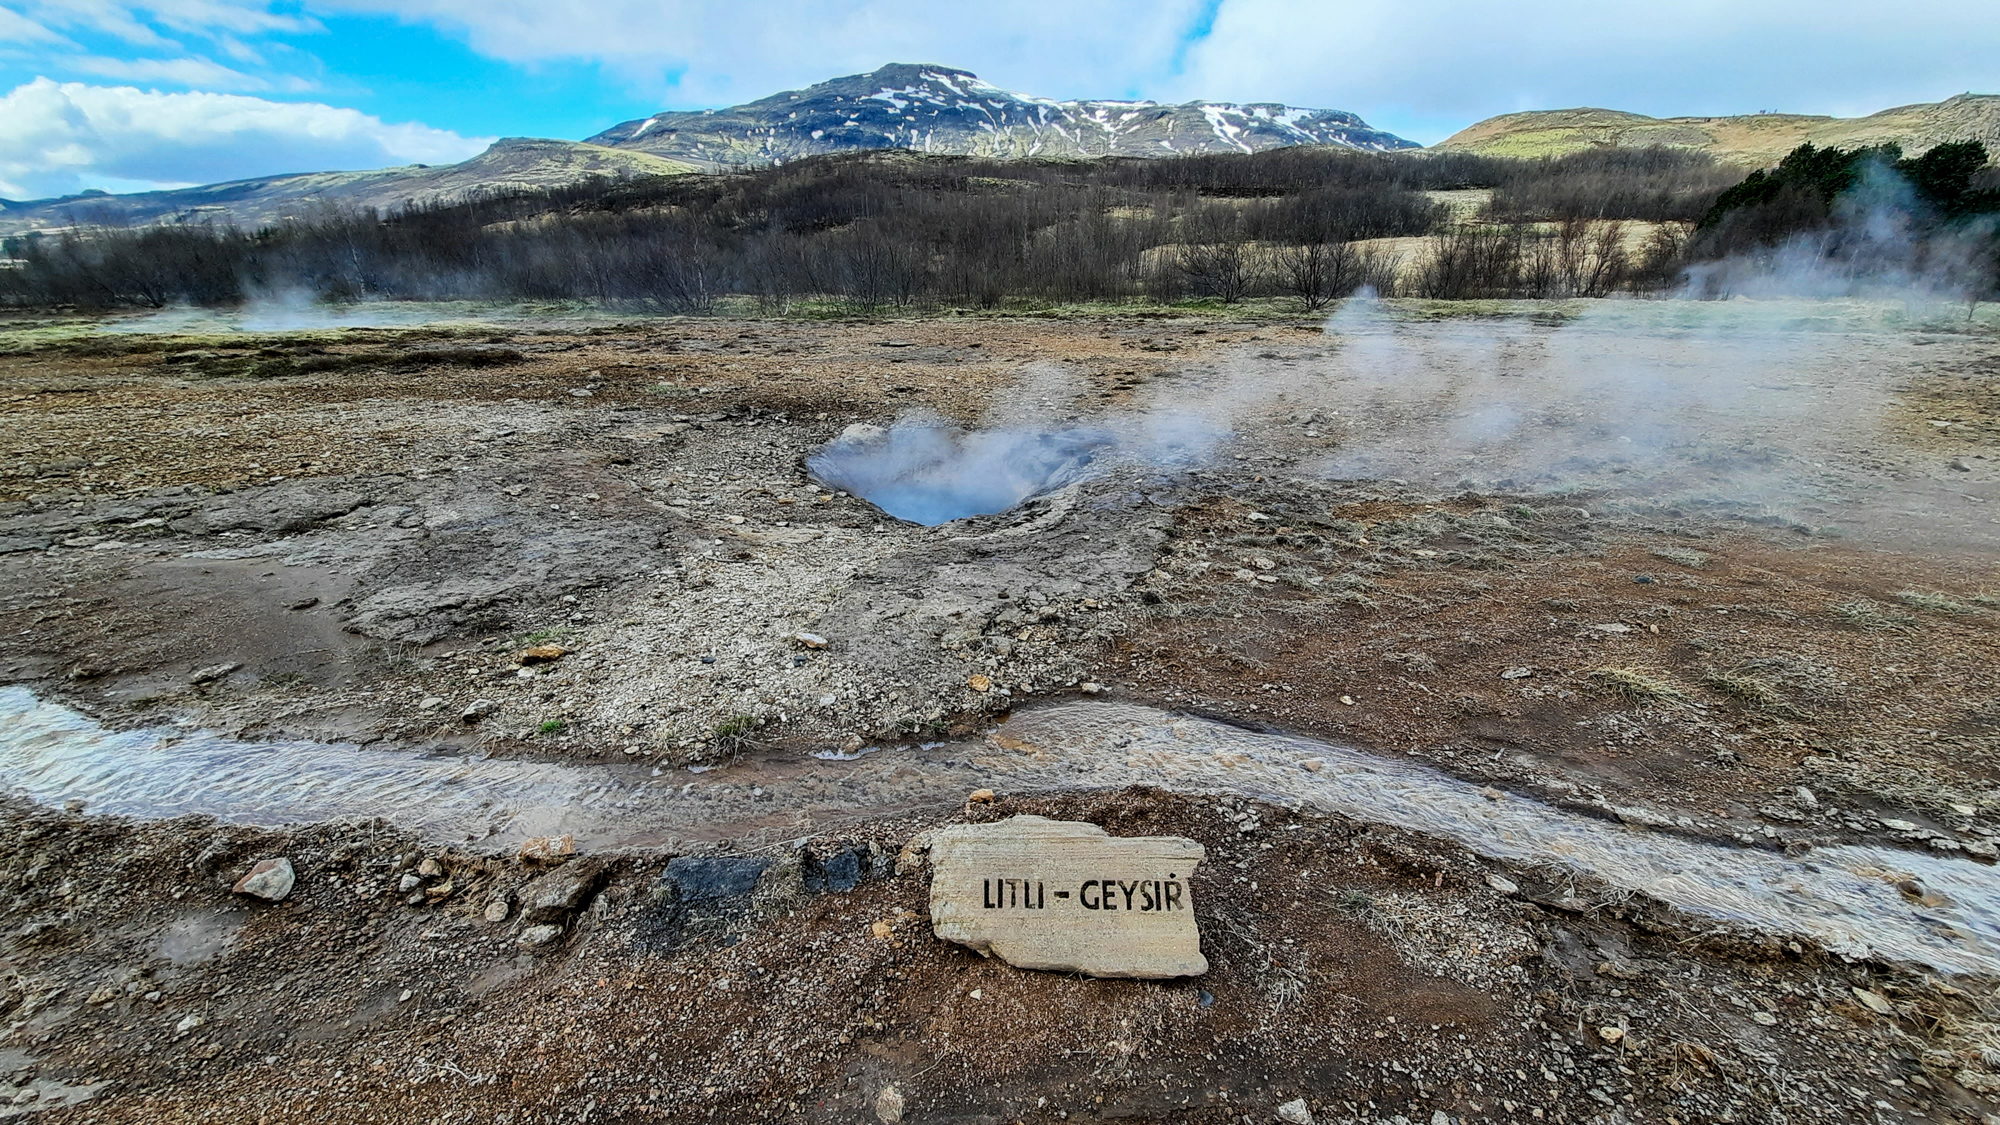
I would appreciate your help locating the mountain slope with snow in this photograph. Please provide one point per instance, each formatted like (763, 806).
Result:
(943, 110)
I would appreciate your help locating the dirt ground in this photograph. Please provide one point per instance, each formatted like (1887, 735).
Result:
(1733, 566)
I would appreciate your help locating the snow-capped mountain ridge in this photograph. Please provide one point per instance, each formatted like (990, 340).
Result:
(945, 110)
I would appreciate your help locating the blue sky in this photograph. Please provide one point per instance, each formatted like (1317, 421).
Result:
(130, 94)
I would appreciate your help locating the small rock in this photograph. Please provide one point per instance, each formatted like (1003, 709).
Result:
(1612, 627)
(188, 1023)
(889, 1106)
(557, 894)
(211, 673)
(1899, 825)
(1503, 884)
(1517, 673)
(1611, 1034)
(1347, 700)
(1961, 464)
(548, 848)
(810, 640)
(496, 911)
(1296, 1112)
(270, 880)
(980, 797)
(103, 996)
(1312, 765)
(1765, 1018)
(303, 603)
(536, 936)
(430, 869)
(980, 683)
(409, 883)
(1874, 1001)
(480, 709)
(1089, 687)
(1806, 798)
(430, 704)
(540, 654)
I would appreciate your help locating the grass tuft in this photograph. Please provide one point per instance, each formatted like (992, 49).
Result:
(1935, 603)
(1871, 617)
(1636, 685)
(1683, 556)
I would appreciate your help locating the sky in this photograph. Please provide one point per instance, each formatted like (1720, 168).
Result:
(130, 95)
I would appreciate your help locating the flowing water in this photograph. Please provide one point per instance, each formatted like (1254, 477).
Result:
(1844, 898)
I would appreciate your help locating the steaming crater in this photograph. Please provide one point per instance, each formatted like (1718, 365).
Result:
(931, 472)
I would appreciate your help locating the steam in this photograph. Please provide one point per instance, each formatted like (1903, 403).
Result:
(290, 310)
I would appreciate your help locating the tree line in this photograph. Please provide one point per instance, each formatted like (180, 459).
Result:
(903, 229)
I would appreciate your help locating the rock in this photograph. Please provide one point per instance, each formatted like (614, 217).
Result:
(536, 936)
(1611, 1034)
(1503, 884)
(103, 996)
(810, 640)
(1874, 1001)
(1296, 1112)
(496, 911)
(1521, 673)
(980, 683)
(430, 869)
(303, 603)
(888, 1102)
(548, 849)
(1069, 897)
(980, 797)
(430, 704)
(540, 654)
(1767, 1019)
(1312, 765)
(479, 709)
(1961, 464)
(408, 884)
(1089, 687)
(1806, 798)
(270, 880)
(554, 896)
(188, 1023)
(211, 673)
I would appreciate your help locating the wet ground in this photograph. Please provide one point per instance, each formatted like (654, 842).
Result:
(1676, 619)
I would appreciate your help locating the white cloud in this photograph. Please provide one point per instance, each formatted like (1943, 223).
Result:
(18, 30)
(58, 138)
(700, 52)
(184, 71)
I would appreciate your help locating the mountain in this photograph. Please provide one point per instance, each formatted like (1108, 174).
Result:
(939, 109)
(1751, 140)
(510, 163)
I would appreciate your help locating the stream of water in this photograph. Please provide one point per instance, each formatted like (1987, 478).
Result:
(1844, 898)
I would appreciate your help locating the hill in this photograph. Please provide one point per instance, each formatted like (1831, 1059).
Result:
(1750, 140)
(511, 163)
(941, 110)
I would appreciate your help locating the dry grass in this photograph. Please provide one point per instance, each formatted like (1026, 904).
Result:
(1743, 688)
(1636, 685)
(1683, 556)
(1872, 617)
(1936, 603)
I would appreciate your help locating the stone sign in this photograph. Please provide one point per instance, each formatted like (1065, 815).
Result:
(1056, 894)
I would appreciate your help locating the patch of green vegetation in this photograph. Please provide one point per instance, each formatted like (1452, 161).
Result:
(1637, 685)
(553, 726)
(1872, 617)
(544, 636)
(734, 735)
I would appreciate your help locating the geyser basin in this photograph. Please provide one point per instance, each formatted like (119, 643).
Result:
(932, 472)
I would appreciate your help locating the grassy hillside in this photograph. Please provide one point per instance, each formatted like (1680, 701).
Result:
(1751, 141)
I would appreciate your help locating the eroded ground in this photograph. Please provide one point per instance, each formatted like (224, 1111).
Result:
(1728, 572)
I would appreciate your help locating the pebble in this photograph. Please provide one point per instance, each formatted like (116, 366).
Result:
(1765, 1018)
(430, 704)
(409, 883)
(188, 1023)
(540, 654)
(1874, 1001)
(536, 936)
(430, 869)
(1503, 884)
(1517, 673)
(810, 640)
(1961, 464)
(211, 673)
(1295, 1112)
(270, 880)
(889, 1106)
(480, 709)
(1611, 1034)
(496, 911)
